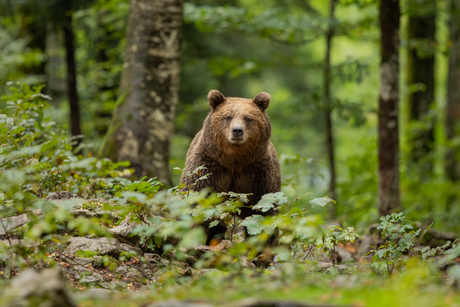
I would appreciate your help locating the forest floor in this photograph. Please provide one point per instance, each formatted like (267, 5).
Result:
(116, 271)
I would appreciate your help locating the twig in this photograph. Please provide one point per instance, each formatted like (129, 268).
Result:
(6, 232)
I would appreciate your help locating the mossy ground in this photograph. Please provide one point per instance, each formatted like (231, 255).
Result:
(419, 285)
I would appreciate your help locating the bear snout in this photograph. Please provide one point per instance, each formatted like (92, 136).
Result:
(237, 131)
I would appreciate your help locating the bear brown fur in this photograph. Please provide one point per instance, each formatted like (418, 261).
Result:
(234, 146)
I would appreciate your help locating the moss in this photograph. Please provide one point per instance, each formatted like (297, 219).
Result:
(86, 254)
(107, 261)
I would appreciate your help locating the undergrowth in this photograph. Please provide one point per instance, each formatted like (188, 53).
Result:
(38, 158)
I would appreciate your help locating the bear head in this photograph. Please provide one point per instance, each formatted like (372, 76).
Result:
(239, 122)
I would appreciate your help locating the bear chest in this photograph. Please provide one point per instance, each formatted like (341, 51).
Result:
(244, 181)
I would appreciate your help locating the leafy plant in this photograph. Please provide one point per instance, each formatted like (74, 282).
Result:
(399, 239)
(36, 159)
(331, 237)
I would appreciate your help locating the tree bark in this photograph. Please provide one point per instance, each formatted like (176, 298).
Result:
(143, 123)
(388, 195)
(421, 56)
(328, 111)
(453, 93)
(72, 93)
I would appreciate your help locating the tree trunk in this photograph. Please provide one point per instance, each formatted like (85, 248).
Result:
(327, 99)
(420, 72)
(71, 75)
(388, 196)
(453, 93)
(143, 123)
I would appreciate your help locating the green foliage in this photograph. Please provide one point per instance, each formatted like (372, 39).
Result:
(398, 240)
(85, 254)
(323, 201)
(300, 26)
(16, 55)
(36, 158)
(328, 239)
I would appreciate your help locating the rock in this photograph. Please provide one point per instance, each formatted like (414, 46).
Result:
(116, 284)
(223, 246)
(128, 248)
(63, 195)
(156, 259)
(124, 231)
(435, 238)
(134, 273)
(90, 279)
(150, 256)
(99, 246)
(29, 289)
(93, 208)
(113, 285)
(365, 244)
(23, 242)
(123, 269)
(82, 261)
(9, 224)
(345, 255)
(327, 267)
(83, 269)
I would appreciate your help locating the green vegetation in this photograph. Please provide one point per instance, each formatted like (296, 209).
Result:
(38, 160)
(105, 225)
(85, 254)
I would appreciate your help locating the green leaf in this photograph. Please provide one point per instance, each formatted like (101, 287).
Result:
(193, 237)
(269, 201)
(321, 201)
(253, 224)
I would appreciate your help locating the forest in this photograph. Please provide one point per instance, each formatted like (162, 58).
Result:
(101, 99)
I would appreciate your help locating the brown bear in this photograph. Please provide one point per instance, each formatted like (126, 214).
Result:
(234, 146)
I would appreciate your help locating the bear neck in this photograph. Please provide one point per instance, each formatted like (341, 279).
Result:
(234, 157)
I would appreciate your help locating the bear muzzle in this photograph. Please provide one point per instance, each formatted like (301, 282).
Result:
(237, 136)
(237, 131)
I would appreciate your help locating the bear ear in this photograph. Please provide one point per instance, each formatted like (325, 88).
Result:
(215, 98)
(262, 100)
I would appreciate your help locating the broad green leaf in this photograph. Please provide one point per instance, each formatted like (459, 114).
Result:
(269, 201)
(253, 224)
(321, 201)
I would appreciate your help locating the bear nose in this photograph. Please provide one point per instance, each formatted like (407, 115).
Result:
(237, 131)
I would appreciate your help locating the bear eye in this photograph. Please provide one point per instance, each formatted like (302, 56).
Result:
(247, 119)
(228, 118)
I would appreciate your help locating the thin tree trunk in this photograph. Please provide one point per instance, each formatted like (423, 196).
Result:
(143, 123)
(388, 195)
(103, 43)
(327, 99)
(421, 73)
(453, 93)
(71, 76)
